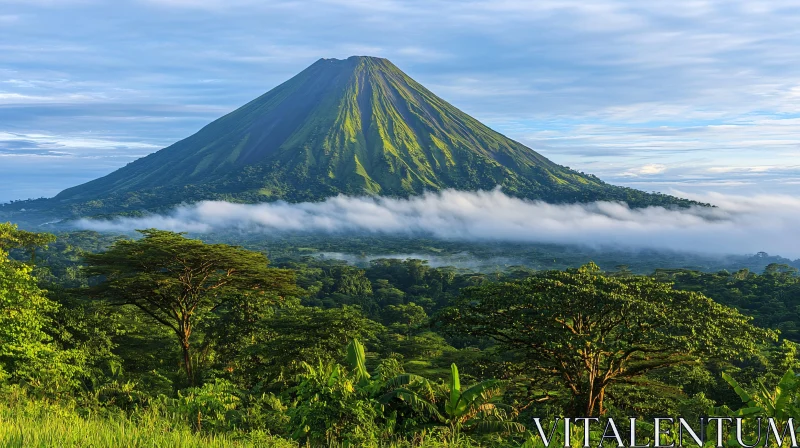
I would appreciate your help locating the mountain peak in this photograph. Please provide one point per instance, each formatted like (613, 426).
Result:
(355, 126)
(354, 60)
(355, 63)
(357, 58)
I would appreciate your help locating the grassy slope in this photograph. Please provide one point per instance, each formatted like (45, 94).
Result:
(37, 425)
(67, 430)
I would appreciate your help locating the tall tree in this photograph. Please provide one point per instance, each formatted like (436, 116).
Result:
(589, 331)
(178, 281)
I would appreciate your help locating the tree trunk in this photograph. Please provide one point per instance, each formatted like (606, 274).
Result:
(600, 397)
(580, 405)
(187, 358)
(588, 404)
(591, 397)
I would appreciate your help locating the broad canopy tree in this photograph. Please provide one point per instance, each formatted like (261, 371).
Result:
(178, 281)
(588, 330)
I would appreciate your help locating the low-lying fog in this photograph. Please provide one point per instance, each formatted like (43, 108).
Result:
(738, 225)
(461, 261)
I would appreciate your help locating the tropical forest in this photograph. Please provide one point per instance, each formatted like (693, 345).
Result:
(161, 339)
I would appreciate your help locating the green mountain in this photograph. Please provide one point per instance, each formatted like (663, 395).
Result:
(355, 126)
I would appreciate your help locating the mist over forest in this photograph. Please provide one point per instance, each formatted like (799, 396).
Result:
(736, 225)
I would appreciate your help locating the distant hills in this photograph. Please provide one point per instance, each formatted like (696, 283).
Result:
(358, 126)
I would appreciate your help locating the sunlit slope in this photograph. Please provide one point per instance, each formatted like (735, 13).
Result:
(356, 126)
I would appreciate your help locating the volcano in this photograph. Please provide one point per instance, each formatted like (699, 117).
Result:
(358, 126)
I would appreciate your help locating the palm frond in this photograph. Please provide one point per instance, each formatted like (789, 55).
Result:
(745, 397)
(784, 392)
(413, 399)
(357, 359)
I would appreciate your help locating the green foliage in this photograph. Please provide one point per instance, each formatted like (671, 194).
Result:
(356, 357)
(23, 316)
(11, 237)
(405, 318)
(589, 330)
(473, 409)
(781, 403)
(293, 336)
(212, 407)
(330, 410)
(772, 297)
(27, 351)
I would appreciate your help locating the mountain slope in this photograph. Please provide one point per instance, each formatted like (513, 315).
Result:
(355, 126)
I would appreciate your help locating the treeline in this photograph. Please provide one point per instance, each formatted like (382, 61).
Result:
(772, 297)
(210, 340)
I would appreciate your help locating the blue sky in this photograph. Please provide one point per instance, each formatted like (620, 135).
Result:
(686, 95)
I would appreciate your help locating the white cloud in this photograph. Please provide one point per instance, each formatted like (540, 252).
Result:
(48, 2)
(75, 141)
(7, 98)
(739, 225)
(644, 170)
(752, 169)
(199, 4)
(423, 54)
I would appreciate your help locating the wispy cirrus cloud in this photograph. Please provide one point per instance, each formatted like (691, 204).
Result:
(74, 142)
(20, 99)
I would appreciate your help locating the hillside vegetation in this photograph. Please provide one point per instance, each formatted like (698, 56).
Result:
(165, 340)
